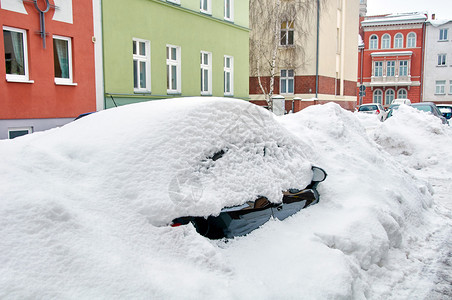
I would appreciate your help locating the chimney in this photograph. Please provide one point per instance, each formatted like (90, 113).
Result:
(433, 16)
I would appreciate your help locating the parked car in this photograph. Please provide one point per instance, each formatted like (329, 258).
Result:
(446, 110)
(401, 101)
(430, 107)
(373, 108)
(241, 220)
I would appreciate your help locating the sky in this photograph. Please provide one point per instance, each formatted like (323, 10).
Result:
(442, 8)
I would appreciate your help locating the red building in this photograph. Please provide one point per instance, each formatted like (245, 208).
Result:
(391, 60)
(47, 64)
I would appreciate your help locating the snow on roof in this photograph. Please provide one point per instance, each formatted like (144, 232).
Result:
(437, 23)
(394, 18)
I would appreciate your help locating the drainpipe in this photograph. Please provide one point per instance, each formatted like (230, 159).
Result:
(361, 48)
(317, 53)
(424, 29)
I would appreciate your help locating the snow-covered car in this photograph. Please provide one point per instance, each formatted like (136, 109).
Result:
(373, 108)
(242, 219)
(430, 107)
(446, 110)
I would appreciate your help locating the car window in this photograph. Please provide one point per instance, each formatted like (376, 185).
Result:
(367, 108)
(425, 108)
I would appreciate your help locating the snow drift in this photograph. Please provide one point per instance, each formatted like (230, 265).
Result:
(82, 205)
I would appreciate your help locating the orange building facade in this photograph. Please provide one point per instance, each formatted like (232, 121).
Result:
(391, 58)
(47, 73)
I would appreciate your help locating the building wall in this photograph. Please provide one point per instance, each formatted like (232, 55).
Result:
(338, 37)
(189, 29)
(433, 72)
(40, 102)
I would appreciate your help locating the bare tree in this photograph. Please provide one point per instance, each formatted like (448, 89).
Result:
(279, 30)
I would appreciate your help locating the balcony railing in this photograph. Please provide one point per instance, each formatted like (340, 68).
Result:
(391, 80)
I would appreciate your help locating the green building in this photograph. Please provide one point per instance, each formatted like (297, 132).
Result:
(156, 49)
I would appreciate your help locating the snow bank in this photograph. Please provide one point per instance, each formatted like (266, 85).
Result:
(80, 204)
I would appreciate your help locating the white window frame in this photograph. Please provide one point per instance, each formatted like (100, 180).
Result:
(386, 39)
(373, 43)
(402, 66)
(398, 41)
(229, 18)
(440, 87)
(206, 67)
(147, 60)
(411, 40)
(377, 97)
(443, 34)
(286, 80)
(207, 8)
(284, 33)
(391, 94)
(29, 129)
(442, 60)
(402, 94)
(177, 63)
(26, 76)
(70, 80)
(378, 67)
(390, 66)
(229, 70)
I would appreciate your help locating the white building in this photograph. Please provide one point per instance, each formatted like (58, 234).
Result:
(438, 62)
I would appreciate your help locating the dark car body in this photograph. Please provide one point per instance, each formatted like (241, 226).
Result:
(446, 110)
(241, 220)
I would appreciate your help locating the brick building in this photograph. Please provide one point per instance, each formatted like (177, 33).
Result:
(391, 61)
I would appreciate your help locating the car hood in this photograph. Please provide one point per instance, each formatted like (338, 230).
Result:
(164, 158)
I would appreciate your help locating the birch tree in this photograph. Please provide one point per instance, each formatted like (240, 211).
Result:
(271, 46)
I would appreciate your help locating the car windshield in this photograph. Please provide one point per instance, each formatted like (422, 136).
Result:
(426, 108)
(367, 108)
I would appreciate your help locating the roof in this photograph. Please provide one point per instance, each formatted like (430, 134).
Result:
(404, 18)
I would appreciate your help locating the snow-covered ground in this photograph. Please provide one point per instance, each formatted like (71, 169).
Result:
(84, 208)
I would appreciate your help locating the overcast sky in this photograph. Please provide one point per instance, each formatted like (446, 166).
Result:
(442, 8)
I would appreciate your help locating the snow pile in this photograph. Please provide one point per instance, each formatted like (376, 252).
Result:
(80, 204)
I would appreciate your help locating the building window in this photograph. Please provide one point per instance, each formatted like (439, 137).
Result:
(440, 87)
(287, 33)
(398, 40)
(141, 66)
(378, 96)
(287, 82)
(62, 59)
(403, 68)
(228, 75)
(173, 71)
(206, 6)
(378, 68)
(386, 41)
(390, 68)
(206, 73)
(443, 34)
(373, 44)
(229, 10)
(16, 132)
(402, 94)
(441, 59)
(389, 96)
(16, 54)
(411, 40)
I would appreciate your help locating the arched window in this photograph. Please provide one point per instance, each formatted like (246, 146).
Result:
(411, 40)
(386, 41)
(373, 42)
(389, 96)
(402, 94)
(398, 40)
(378, 96)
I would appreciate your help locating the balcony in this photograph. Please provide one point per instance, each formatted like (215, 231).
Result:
(391, 81)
